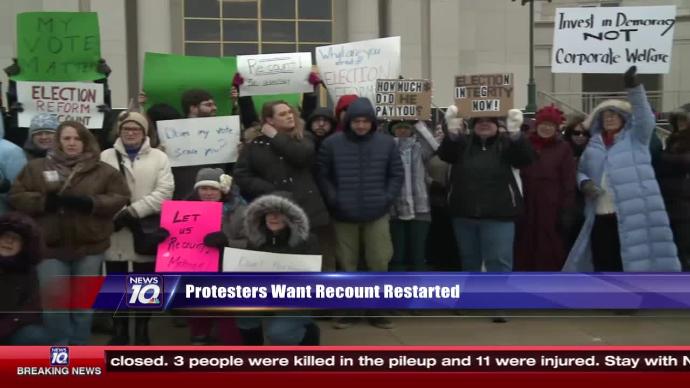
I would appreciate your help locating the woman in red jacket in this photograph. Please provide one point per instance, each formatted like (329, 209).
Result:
(549, 195)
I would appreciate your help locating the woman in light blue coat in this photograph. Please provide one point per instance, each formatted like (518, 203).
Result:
(626, 226)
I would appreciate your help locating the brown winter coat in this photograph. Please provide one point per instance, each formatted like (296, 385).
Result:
(70, 234)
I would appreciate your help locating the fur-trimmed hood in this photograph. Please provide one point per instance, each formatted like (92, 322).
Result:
(296, 219)
(676, 115)
(32, 241)
(593, 121)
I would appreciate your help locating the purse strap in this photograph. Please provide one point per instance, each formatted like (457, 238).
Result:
(121, 167)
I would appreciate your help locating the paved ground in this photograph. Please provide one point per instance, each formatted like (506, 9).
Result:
(529, 328)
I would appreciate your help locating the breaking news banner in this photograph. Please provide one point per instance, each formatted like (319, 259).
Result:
(162, 364)
(399, 291)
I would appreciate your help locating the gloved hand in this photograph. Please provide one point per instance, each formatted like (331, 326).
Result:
(216, 240)
(630, 78)
(160, 235)
(13, 69)
(103, 108)
(314, 79)
(52, 203)
(453, 121)
(125, 218)
(80, 203)
(103, 67)
(17, 107)
(590, 190)
(237, 80)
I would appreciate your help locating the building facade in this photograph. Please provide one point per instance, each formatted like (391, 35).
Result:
(440, 39)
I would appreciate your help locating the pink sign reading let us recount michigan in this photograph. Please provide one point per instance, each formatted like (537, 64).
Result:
(188, 223)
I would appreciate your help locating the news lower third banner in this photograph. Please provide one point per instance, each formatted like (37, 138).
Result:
(436, 291)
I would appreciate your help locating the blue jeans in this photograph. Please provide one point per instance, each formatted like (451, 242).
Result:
(67, 327)
(485, 241)
(30, 335)
(279, 330)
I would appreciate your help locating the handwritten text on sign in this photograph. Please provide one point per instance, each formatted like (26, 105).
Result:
(242, 260)
(188, 223)
(274, 73)
(353, 68)
(76, 101)
(205, 140)
(403, 99)
(609, 40)
(484, 95)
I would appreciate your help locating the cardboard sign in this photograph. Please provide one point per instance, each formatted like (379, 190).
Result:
(204, 140)
(610, 40)
(241, 260)
(403, 99)
(58, 46)
(76, 101)
(275, 73)
(353, 68)
(188, 223)
(484, 95)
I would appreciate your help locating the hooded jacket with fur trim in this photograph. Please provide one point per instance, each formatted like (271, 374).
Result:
(643, 226)
(295, 238)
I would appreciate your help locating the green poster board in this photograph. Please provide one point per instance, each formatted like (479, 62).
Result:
(295, 99)
(167, 76)
(58, 46)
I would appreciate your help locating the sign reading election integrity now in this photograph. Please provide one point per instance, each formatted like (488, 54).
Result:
(77, 101)
(275, 73)
(58, 46)
(403, 99)
(353, 68)
(203, 140)
(484, 95)
(610, 40)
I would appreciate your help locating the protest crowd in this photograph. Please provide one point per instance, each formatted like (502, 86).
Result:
(495, 193)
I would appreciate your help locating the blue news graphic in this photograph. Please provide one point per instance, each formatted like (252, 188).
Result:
(144, 291)
(59, 356)
(436, 290)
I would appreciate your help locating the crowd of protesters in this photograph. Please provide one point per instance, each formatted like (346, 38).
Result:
(489, 193)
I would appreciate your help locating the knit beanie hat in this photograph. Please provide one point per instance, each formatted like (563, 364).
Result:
(549, 114)
(135, 117)
(495, 120)
(213, 177)
(43, 122)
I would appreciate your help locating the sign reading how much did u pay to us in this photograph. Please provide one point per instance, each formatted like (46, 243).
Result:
(484, 95)
(403, 99)
(610, 40)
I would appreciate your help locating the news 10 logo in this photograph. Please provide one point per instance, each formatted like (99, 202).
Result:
(59, 356)
(144, 291)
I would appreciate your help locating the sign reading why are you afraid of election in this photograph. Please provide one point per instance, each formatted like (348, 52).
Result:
(610, 40)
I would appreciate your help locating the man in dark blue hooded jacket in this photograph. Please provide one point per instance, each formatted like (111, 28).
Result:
(360, 174)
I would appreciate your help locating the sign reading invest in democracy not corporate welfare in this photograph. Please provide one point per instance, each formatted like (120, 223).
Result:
(274, 73)
(77, 101)
(484, 95)
(204, 140)
(353, 68)
(610, 40)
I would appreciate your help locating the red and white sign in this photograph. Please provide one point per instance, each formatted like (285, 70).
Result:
(76, 101)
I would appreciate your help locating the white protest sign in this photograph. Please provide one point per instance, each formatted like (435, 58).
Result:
(275, 73)
(242, 260)
(76, 101)
(353, 68)
(204, 140)
(610, 40)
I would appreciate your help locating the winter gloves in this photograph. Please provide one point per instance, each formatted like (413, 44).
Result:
(590, 190)
(216, 240)
(80, 203)
(123, 219)
(453, 121)
(630, 78)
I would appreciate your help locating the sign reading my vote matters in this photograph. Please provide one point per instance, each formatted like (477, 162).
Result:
(204, 140)
(188, 223)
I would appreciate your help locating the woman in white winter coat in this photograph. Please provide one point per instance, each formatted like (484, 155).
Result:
(150, 180)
